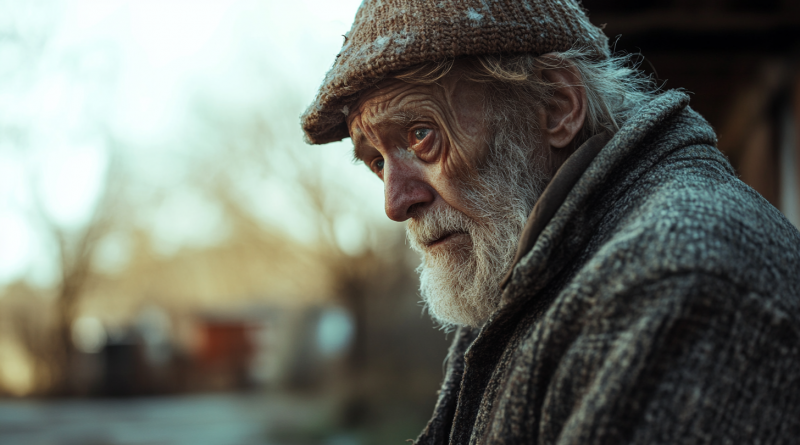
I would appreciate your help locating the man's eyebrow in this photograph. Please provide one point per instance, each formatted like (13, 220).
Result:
(403, 118)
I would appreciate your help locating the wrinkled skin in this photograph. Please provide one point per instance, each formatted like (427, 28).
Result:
(417, 138)
(424, 140)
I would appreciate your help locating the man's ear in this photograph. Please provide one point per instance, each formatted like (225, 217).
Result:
(565, 112)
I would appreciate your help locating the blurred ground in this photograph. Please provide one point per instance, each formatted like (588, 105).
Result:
(216, 419)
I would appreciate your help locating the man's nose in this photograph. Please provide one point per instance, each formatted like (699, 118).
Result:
(405, 191)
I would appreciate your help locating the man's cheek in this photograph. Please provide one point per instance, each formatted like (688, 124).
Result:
(465, 143)
(452, 161)
(463, 157)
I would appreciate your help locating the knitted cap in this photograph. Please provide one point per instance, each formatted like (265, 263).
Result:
(391, 35)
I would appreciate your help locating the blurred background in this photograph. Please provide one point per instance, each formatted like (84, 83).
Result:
(177, 266)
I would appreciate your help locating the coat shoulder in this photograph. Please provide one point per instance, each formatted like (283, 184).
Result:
(691, 215)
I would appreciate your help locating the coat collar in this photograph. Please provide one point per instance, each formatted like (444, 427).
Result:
(554, 232)
(554, 195)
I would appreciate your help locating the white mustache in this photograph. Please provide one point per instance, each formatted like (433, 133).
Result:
(434, 224)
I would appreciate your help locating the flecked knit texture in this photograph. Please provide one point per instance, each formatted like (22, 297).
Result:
(659, 305)
(391, 35)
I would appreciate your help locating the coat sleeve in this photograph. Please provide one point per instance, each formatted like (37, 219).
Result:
(688, 359)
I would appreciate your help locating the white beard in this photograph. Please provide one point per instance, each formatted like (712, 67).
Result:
(460, 278)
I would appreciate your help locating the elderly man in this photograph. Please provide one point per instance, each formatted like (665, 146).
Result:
(609, 277)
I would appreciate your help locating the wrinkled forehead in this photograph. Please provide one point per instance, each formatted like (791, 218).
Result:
(391, 101)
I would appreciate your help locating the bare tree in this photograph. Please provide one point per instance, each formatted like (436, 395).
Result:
(358, 280)
(74, 250)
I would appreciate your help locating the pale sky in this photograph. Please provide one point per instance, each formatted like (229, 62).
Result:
(134, 71)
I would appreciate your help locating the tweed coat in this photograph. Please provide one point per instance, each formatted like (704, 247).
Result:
(655, 301)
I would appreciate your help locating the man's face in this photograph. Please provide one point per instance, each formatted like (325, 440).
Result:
(431, 146)
(420, 140)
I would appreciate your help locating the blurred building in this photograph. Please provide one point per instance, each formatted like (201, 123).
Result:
(740, 59)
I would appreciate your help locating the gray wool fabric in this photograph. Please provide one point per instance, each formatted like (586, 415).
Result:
(658, 305)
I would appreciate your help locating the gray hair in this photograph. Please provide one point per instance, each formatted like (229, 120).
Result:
(615, 87)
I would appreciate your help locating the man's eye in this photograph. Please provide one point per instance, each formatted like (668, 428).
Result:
(421, 133)
(378, 165)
